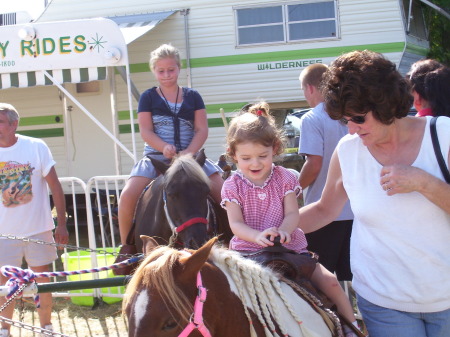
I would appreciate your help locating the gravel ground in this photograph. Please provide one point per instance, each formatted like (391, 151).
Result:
(73, 320)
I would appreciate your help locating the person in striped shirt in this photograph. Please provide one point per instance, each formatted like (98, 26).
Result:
(172, 121)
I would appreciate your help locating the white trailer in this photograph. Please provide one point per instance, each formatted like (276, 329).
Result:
(234, 52)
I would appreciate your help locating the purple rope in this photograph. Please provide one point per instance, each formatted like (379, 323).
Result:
(18, 276)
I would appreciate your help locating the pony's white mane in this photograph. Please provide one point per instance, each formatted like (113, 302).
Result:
(191, 168)
(257, 287)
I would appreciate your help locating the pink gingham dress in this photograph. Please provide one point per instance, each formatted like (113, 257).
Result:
(262, 207)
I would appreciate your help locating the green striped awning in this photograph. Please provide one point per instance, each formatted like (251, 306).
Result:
(33, 78)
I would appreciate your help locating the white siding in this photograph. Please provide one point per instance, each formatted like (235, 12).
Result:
(212, 27)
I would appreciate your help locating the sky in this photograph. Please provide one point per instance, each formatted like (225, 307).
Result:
(33, 7)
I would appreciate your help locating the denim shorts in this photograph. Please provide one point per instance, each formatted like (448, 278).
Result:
(145, 168)
(36, 255)
(384, 322)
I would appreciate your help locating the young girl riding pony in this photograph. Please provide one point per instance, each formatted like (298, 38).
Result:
(172, 121)
(261, 198)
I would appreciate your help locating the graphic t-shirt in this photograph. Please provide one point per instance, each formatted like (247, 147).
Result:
(25, 204)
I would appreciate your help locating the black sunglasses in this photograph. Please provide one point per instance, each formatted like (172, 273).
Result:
(355, 119)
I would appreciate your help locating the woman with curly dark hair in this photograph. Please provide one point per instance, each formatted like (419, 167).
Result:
(387, 168)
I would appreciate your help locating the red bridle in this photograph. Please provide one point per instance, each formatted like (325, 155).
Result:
(190, 223)
(196, 320)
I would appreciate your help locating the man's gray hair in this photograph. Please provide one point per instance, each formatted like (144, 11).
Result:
(10, 112)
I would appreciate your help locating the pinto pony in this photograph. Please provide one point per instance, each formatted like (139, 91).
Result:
(233, 296)
(176, 207)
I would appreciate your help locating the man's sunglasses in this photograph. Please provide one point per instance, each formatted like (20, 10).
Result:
(355, 119)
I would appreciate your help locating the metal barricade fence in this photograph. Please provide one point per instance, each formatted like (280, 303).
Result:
(100, 197)
(72, 187)
(107, 190)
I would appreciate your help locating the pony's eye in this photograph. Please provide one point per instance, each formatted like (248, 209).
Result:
(169, 325)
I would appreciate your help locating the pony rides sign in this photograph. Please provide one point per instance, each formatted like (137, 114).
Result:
(60, 45)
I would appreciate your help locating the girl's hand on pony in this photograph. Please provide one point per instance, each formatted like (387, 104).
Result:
(169, 151)
(266, 237)
(285, 237)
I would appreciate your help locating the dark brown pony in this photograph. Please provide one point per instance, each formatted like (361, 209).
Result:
(176, 207)
(233, 296)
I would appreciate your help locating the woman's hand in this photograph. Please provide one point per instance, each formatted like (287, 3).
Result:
(405, 179)
(169, 151)
(262, 237)
(402, 179)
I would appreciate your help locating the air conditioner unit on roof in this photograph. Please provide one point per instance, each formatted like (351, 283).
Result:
(21, 17)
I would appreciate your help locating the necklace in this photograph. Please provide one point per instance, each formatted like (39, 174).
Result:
(167, 102)
(175, 119)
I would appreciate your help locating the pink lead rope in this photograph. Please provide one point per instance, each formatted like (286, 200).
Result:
(196, 320)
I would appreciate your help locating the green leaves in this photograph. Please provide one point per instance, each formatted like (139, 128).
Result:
(439, 27)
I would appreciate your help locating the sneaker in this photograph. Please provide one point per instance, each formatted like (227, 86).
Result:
(48, 327)
(4, 333)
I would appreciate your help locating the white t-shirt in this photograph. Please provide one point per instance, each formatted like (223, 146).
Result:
(400, 246)
(25, 205)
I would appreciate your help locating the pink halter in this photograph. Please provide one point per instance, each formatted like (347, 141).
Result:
(196, 320)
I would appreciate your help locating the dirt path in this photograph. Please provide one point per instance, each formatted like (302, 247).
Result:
(74, 320)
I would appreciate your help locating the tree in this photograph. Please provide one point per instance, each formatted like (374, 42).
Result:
(439, 28)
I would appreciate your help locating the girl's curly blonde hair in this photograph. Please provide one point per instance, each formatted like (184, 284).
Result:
(255, 125)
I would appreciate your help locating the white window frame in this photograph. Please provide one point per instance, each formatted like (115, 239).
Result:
(286, 23)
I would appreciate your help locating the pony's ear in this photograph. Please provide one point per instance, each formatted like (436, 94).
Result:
(148, 244)
(193, 263)
(160, 166)
(200, 158)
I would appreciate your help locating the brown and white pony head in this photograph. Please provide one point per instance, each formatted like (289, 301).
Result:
(243, 298)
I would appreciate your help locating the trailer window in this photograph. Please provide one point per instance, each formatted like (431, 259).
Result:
(286, 23)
